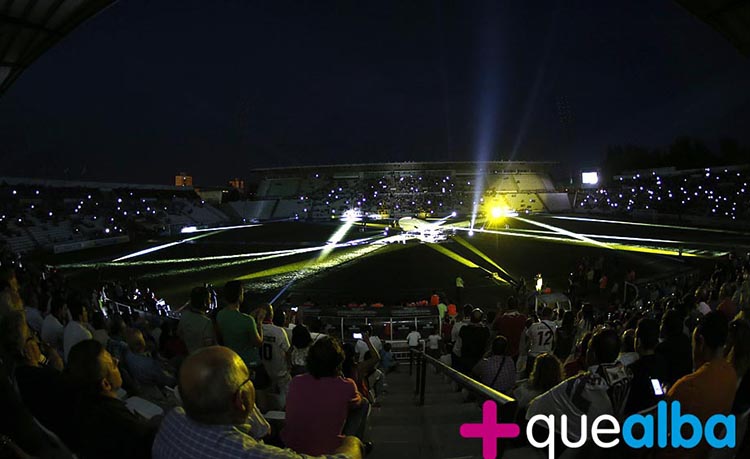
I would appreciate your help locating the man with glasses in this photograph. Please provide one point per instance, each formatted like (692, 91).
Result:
(219, 418)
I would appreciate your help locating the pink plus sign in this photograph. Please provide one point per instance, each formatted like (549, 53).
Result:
(489, 430)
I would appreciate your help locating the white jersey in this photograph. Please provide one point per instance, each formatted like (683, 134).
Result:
(540, 337)
(274, 349)
(361, 347)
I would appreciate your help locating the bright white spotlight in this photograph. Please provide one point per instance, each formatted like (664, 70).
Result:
(453, 214)
(189, 229)
(590, 178)
(471, 232)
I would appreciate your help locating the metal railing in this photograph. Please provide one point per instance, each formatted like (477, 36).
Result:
(506, 406)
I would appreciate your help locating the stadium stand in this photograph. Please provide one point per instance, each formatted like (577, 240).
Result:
(715, 193)
(402, 189)
(44, 213)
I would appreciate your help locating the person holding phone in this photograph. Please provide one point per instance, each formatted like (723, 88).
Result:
(649, 371)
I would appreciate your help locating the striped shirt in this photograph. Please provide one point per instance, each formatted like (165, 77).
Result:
(182, 438)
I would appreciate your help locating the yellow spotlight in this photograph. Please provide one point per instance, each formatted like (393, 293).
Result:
(497, 212)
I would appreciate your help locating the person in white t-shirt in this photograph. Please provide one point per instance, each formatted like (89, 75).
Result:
(433, 343)
(540, 337)
(413, 338)
(273, 355)
(34, 318)
(76, 331)
(361, 346)
(52, 327)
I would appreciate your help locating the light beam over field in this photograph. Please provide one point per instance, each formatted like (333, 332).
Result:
(651, 225)
(564, 232)
(481, 254)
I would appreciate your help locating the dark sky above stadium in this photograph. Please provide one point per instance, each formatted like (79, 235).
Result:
(215, 88)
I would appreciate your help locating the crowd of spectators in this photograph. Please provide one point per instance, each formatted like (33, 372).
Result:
(712, 192)
(686, 341)
(82, 213)
(79, 378)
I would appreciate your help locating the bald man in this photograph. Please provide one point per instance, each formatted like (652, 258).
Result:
(219, 418)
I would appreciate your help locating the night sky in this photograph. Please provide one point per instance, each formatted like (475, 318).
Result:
(149, 88)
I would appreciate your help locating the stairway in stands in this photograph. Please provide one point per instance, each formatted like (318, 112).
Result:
(401, 429)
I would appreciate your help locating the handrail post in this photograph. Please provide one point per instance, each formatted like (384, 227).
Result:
(423, 380)
(411, 361)
(419, 373)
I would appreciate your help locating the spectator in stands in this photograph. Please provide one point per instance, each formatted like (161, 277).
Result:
(649, 366)
(474, 338)
(433, 343)
(117, 344)
(388, 362)
(361, 347)
(497, 371)
(413, 338)
(701, 299)
(20, 433)
(99, 323)
(539, 338)
(710, 389)
(274, 355)
(33, 315)
(52, 327)
(737, 352)
(37, 373)
(546, 373)
(195, 328)
(462, 318)
(674, 347)
(565, 336)
(220, 418)
(360, 371)
(627, 355)
(279, 319)
(171, 347)
(442, 310)
(445, 331)
(585, 321)
(601, 390)
(104, 425)
(76, 330)
(301, 341)
(333, 401)
(146, 370)
(240, 332)
(726, 305)
(511, 324)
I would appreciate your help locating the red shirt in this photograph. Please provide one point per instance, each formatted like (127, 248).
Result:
(434, 300)
(316, 410)
(511, 325)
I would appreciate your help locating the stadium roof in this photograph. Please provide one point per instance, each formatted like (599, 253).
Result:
(471, 167)
(730, 17)
(29, 27)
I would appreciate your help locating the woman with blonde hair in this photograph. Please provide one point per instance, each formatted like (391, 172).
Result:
(546, 373)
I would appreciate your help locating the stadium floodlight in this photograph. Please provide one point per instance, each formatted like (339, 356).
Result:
(497, 212)
(590, 178)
